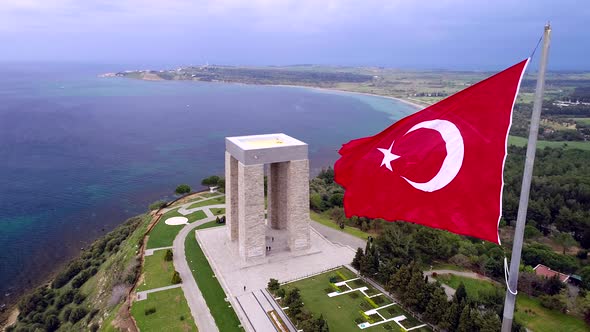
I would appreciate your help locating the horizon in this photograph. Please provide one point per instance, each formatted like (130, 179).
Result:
(447, 35)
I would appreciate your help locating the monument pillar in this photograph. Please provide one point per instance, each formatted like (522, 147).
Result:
(251, 228)
(231, 196)
(297, 207)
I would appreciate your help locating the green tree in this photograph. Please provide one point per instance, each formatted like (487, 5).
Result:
(435, 310)
(488, 321)
(168, 256)
(337, 199)
(565, 240)
(176, 279)
(466, 321)
(585, 274)
(358, 257)
(315, 202)
(460, 293)
(211, 181)
(183, 189)
(450, 320)
(273, 285)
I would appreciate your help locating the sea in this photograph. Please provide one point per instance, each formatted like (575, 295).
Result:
(80, 153)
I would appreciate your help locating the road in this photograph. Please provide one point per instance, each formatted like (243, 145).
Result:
(196, 302)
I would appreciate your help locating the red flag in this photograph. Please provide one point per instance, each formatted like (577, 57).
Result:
(441, 167)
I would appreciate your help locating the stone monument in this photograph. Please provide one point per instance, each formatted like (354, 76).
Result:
(285, 226)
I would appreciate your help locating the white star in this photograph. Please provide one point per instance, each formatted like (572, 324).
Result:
(388, 157)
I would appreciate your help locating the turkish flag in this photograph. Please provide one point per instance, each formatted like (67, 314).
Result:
(441, 167)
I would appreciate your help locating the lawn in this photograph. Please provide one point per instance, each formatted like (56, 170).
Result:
(156, 271)
(222, 312)
(537, 318)
(521, 141)
(585, 121)
(172, 312)
(342, 311)
(528, 310)
(326, 221)
(163, 235)
(473, 286)
(218, 212)
(209, 225)
(213, 201)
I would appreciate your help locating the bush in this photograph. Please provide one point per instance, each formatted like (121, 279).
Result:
(79, 298)
(183, 189)
(280, 292)
(150, 310)
(94, 327)
(77, 314)
(168, 257)
(273, 285)
(181, 317)
(157, 205)
(553, 302)
(211, 181)
(176, 278)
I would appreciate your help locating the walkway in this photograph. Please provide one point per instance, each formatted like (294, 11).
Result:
(450, 291)
(339, 237)
(196, 302)
(143, 295)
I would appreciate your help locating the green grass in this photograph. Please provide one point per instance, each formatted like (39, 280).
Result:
(521, 141)
(473, 286)
(218, 212)
(585, 121)
(156, 271)
(536, 317)
(340, 311)
(106, 325)
(445, 266)
(163, 235)
(209, 225)
(222, 312)
(208, 195)
(213, 201)
(170, 307)
(326, 221)
(540, 319)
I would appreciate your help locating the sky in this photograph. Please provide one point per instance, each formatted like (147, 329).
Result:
(443, 34)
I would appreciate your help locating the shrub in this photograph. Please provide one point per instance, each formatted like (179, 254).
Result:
(157, 205)
(553, 302)
(79, 298)
(176, 278)
(183, 189)
(66, 313)
(168, 256)
(77, 314)
(280, 293)
(273, 285)
(150, 310)
(94, 327)
(181, 317)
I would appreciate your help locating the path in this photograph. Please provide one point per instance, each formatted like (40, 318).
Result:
(340, 237)
(450, 291)
(143, 294)
(196, 302)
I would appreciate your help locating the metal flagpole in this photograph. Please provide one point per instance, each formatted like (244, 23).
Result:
(526, 186)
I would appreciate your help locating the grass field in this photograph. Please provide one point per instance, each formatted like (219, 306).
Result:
(213, 201)
(172, 312)
(325, 220)
(539, 319)
(585, 121)
(156, 271)
(222, 312)
(209, 225)
(163, 235)
(521, 141)
(528, 310)
(218, 212)
(341, 311)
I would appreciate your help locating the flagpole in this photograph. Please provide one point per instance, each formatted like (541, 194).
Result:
(526, 186)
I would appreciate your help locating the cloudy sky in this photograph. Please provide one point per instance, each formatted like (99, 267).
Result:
(450, 34)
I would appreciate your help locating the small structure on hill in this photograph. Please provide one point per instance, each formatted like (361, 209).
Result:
(546, 272)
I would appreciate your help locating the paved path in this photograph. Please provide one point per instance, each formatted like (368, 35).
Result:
(196, 302)
(340, 237)
(143, 295)
(448, 289)
(149, 252)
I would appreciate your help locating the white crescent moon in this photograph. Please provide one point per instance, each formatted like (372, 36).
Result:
(454, 159)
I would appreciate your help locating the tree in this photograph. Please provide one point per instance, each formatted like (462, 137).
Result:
(168, 256)
(466, 321)
(450, 320)
(77, 314)
(315, 202)
(211, 181)
(176, 278)
(358, 257)
(437, 305)
(489, 321)
(553, 285)
(273, 285)
(565, 240)
(337, 199)
(293, 301)
(585, 274)
(460, 293)
(183, 189)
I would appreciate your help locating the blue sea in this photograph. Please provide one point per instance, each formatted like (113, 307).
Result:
(79, 154)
